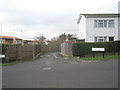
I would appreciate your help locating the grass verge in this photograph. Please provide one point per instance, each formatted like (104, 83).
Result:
(10, 63)
(107, 57)
(66, 56)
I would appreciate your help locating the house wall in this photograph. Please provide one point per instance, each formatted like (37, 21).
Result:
(7, 41)
(119, 28)
(82, 28)
(17, 42)
(91, 31)
(0, 41)
(10, 41)
(119, 21)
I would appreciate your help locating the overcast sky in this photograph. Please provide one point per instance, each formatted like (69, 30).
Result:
(48, 17)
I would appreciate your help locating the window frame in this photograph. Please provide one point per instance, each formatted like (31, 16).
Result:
(104, 23)
(102, 38)
(111, 23)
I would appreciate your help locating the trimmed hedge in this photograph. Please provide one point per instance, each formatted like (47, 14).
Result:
(82, 49)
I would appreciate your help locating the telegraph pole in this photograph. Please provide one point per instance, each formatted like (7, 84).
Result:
(22, 37)
(1, 30)
(1, 58)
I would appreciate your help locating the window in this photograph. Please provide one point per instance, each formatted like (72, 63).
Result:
(95, 39)
(18, 42)
(100, 23)
(100, 39)
(0, 41)
(104, 23)
(111, 23)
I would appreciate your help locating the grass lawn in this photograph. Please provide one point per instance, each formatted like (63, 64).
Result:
(106, 57)
(9, 64)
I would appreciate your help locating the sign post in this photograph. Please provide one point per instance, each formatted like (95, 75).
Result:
(98, 50)
(2, 56)
(103, 54)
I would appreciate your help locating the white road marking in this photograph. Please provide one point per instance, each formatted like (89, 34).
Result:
(48, 55)
(48, 63)
(46, 68)
(65, 58)
(89, 61)
(55, 55)
(41, 56)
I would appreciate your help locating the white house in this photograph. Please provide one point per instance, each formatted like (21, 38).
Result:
(98, 27)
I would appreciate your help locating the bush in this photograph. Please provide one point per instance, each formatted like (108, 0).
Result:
(82, 49)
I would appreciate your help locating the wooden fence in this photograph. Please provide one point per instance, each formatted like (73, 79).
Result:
(66, 49)
(26, 52)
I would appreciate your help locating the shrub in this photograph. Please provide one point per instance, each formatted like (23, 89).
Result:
(82, 49)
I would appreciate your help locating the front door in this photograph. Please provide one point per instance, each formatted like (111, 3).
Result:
(111, 38)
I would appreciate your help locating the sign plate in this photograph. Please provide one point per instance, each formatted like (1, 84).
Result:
(2, 56)
(98, 49)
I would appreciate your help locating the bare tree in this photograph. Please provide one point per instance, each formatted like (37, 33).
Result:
(54, 39)
(41, 38)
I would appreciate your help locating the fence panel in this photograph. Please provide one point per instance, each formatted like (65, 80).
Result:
(26, 52)
(37, 49)
(11, 53)
(66, 49)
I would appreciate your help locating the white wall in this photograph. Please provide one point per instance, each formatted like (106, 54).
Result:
(119, 28)
(82, 28)
(119, 21)
(91, 31)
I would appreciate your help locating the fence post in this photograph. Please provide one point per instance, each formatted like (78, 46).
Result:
(16, 53)
(33, 51)
(7, 53)
(20, 52)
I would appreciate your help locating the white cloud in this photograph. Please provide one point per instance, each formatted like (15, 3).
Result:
(49, 17)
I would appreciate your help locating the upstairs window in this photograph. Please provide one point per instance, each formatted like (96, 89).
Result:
(100, 23)
(104, 23)
(111, 23)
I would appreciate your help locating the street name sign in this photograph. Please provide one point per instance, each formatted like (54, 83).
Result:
(2, 56)
(98, 49)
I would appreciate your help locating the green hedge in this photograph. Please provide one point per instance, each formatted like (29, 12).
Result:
(82, 49)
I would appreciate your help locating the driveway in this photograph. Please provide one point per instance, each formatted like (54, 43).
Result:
(54, 71)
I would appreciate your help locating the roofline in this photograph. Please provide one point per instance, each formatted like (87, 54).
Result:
(101, 14)
(9, 37)
(104, 15)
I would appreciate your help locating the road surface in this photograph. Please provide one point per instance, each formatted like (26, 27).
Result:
(54, 71)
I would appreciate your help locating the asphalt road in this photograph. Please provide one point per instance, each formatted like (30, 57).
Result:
(54, 71)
